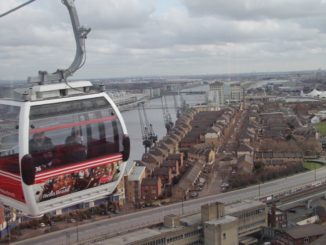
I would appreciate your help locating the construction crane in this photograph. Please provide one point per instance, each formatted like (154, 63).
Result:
(148, 135)
(166, 115)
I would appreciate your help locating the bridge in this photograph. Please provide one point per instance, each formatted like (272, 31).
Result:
(151, 216)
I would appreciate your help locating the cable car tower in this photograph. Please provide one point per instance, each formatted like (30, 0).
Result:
(61, 142)
(166, 115)
(148, 135)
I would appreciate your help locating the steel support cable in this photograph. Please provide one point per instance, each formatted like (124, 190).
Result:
(16, 8)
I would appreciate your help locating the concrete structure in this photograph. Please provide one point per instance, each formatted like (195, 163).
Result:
(215, 96)
(212, 211)
(237, 93)
(222, 231)
(252, 215)
(214, 225)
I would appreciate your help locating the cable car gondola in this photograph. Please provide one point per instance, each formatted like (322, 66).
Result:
(61, 143)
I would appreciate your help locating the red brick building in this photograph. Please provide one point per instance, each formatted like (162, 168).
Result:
(300, 235)
(151, 188)
(165, 174)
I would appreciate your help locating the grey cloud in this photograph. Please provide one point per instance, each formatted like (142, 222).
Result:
(128, 38)
(257, 9)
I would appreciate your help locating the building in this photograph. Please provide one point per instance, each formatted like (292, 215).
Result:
(165, 174)
(187, 182)
(222, 231)
(252, 215)
(237, 93)
(133, 183)
(201, 152)
(277, 219)
(215, 95)
(299, 235)
(278, 158)
(173, 165)
(212, 226)
(213, 136)
(151, 188)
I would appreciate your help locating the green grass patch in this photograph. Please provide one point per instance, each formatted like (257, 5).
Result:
(321, 128)
(311, 165)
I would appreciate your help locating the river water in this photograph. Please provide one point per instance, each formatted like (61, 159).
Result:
(155, 117)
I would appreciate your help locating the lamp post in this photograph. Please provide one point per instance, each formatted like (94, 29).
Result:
(259, 189)
(77, 231)
(315, 171)
(182, 211)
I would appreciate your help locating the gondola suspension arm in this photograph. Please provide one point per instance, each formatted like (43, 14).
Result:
(80, 34)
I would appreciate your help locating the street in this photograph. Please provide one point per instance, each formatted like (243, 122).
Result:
(144, 218)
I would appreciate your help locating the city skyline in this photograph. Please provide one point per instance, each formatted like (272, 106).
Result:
(175, 37)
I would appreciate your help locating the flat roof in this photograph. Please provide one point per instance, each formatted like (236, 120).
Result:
(242, 205)
(223, 220)
(136, 173)
(130, 237)
(129, 166)
(191, 220)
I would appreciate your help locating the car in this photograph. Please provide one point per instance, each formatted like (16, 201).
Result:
(194, 194)
(225, 184)
(42, 225)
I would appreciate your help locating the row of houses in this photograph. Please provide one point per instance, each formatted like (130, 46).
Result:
(174, 164)
(209, 129)
(148, 178)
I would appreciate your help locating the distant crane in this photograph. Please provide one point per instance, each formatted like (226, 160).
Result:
(176, 106)
(184, 106)
(148, 135)
(166, 115)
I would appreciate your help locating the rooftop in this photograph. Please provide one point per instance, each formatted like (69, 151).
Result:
(131, 237)
(243, 205)
(136, 173)
(306, 230)
(223, 220)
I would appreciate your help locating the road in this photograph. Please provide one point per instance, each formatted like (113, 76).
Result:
(147, 217)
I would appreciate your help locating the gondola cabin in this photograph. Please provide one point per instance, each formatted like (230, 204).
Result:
(61, 144)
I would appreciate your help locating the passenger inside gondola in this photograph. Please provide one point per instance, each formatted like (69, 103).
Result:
(75, 151)
(41, 148)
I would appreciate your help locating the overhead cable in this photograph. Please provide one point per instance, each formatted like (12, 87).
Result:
(16, 8)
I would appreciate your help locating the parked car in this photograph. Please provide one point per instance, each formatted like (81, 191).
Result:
(194, 194)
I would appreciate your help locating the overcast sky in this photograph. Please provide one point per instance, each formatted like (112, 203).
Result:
(165, 37)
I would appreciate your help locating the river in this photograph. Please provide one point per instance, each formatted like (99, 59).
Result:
(155, 117)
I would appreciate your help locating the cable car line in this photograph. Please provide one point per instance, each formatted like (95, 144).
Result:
(16, 8)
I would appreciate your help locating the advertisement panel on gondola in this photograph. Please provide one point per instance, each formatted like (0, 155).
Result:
(60, 182)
